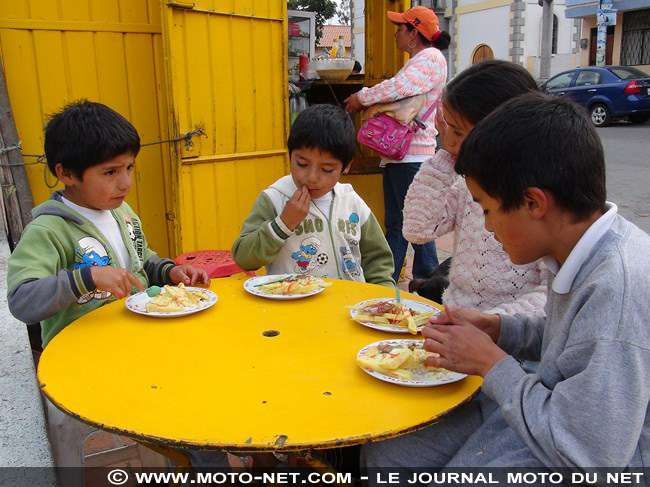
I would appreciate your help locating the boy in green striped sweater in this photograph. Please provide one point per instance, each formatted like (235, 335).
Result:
(85, 245)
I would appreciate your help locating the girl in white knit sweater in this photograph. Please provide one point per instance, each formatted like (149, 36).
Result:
(438, 201)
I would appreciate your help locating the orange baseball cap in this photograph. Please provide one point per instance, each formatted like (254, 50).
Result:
(422, 18)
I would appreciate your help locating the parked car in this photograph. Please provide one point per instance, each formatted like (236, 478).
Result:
(607, 92)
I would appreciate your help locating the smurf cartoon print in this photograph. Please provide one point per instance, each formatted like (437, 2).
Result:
(348, 264)
(306, 257)
(129, 227)
(91, 253)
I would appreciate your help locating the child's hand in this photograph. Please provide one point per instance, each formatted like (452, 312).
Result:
(188, 275)
(463, 347)
(116, 281)
(441, 123)
(296, 208)
(487, 323)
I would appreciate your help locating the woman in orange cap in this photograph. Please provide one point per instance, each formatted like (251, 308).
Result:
(425, 73)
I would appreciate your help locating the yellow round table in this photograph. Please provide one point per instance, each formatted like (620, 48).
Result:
(213, 379)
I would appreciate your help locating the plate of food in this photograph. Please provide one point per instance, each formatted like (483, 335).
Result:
(285, 286)
(171, 301)
(387, 314)
(403, 362)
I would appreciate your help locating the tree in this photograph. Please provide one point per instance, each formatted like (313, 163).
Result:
(325, 10)
(343, 12)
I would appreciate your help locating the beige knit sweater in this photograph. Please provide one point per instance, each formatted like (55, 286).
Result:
(481, 276)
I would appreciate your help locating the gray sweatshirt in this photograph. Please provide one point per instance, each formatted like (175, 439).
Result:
(587, 406)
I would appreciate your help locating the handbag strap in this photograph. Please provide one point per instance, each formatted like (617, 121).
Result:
(430, 110)
(420, 121)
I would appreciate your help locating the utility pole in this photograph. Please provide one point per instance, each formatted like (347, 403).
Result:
(605, 16)
(547, 39)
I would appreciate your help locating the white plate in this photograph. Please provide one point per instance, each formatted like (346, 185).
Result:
(138, 302)
(424, 379)
(414, 305)
(252, 286)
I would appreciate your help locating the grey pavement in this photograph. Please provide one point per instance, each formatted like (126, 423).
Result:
(23, 437)
(627, 155)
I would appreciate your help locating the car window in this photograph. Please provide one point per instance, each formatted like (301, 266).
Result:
(588, 78)
(629, 73)
(560, 81)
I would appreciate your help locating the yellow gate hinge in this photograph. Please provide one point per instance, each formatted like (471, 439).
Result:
(181, 3)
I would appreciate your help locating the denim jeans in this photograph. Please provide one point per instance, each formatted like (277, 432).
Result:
(397, 179)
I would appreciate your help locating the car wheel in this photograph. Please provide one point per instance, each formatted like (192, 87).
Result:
(639, 118)
(600, 116)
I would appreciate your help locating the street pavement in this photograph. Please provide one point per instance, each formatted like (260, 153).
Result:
(627, 156)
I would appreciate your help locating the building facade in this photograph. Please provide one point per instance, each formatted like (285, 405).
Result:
(628, 41)
(512, 30)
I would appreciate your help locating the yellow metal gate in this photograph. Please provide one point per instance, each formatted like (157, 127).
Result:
(221, 67)
(226, 66)
(54, 52)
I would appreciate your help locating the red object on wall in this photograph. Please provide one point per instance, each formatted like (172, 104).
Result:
(217, 263)
(303, 65)
(294, 29)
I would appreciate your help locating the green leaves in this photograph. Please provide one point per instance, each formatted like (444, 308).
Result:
(325, 10)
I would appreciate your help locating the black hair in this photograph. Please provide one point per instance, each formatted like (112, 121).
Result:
(442, 41)
(540, 141)
(357, 67)
(85, 134)
(481, 88)
(324, 127)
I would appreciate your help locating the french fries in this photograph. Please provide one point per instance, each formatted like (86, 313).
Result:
(388, 312)
(175, 299)
(402, 362)
(293, 285)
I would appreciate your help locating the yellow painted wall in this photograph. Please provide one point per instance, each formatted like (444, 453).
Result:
(227, 73)
(220, 66)
(54, 52)
(383, 60)
(170, 67)
(370, 188)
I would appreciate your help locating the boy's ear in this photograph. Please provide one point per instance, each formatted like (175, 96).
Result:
(347, 169)
(64, 175)
(536, 201)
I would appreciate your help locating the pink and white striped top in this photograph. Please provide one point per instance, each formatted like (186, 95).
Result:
(425, 73)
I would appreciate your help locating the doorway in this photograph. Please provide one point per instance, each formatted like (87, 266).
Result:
(482, 53)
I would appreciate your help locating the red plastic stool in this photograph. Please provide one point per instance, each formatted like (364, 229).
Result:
(217, 263)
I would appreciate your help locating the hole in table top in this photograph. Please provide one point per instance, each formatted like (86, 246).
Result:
(327, 393)
(270, 333)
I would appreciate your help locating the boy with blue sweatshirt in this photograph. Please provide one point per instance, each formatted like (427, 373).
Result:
(536, 166)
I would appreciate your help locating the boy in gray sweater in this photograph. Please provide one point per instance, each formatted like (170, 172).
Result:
(536, 166)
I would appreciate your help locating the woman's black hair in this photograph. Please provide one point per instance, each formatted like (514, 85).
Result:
(442, 42)
(85, 134)
(481, 88)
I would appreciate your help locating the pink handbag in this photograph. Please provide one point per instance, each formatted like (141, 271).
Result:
(390, 138)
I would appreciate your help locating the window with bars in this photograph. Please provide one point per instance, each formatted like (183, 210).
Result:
(635, 44)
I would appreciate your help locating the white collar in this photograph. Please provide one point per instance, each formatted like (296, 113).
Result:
(565, 275)
(88, 213)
